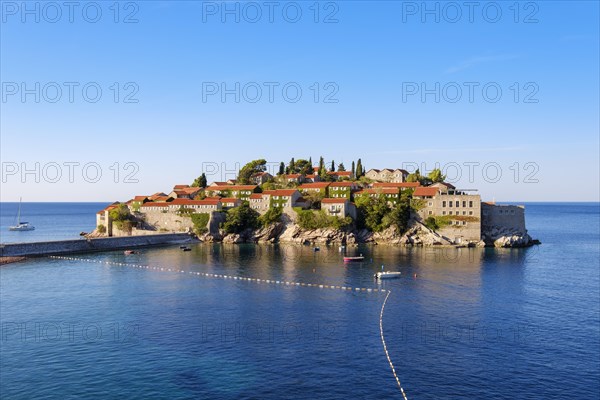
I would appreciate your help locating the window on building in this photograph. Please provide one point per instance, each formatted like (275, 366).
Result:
(430, 204)
(470, 203)
(443, 204)
(464, 222)
(450, 204)
(449, 212)
(430, 212)
(512, 212)
(464, 203)
(464, 213)
(443, 212)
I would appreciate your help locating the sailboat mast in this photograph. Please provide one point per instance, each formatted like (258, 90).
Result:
(19, 212)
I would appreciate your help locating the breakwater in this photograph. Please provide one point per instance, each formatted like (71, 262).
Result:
(91, 245)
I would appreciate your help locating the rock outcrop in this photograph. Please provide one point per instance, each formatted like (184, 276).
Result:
(498, 236)
(287, 231)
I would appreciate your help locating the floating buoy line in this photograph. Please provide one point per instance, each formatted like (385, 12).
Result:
(258, 280)
(385, 347)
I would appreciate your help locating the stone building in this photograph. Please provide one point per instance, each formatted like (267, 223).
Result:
(340, 207)
(508, 217)
(457, 213)
(387, 175)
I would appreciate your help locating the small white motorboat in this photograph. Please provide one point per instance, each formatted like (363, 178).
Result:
(387, 275)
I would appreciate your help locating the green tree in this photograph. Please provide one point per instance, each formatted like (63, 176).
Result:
(399, 216)
(241, 218)
(415, 176)
(303, 167)
(371, 212)
(122, 217)
(250, 169)
(292, 166)
(431, 223)
(281, 168)
(332, 166)
(200, 221)
(354, 169)
(315, 198)
(341, 167)
(200, 181)
(436, 175)
(271, 216)
(359, 169)
(323, 171)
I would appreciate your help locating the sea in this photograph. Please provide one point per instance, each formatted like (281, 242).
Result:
(240, 322)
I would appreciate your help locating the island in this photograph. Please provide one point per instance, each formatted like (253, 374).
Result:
(306, 204)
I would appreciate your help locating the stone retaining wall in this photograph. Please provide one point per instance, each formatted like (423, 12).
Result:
(91, 245)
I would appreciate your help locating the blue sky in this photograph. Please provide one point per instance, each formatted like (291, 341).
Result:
(375, 61)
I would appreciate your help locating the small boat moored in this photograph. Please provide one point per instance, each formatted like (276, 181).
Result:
(186, 249)
(387, 275)
(354, 259)
(129, 252)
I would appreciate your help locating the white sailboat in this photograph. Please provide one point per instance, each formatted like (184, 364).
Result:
(21, 225)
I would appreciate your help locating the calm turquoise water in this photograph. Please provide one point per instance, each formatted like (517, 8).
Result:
(474, 324)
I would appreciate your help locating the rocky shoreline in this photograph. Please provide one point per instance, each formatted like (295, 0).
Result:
(10, 260)
(417, 235)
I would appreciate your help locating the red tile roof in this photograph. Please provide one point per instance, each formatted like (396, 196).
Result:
(140, 198)
(316, 185)
(334, 201)
(157, 195)
(109, 207)
(342, 184)
(235, 187)
(396, 184)
(426, 191)
(341, 173)
(230, 200)
(256, 196)
(179, 187)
